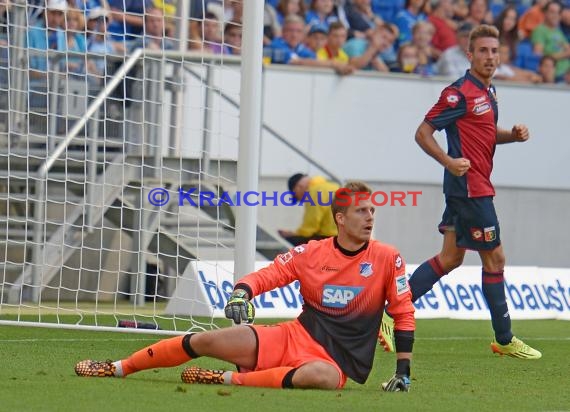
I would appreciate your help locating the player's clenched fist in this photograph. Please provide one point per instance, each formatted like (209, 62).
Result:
(239, 308)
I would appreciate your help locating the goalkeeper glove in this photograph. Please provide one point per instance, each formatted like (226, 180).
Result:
(398, 383)
(239, 308)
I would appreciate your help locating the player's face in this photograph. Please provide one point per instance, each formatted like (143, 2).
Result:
(355, 226)
(484, 58)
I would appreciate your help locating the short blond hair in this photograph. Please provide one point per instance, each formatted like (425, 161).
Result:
(339, 203)
(481, 31)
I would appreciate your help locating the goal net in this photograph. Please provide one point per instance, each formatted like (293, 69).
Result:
(118, 147)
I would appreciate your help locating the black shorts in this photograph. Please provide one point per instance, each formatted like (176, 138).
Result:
(474, 221)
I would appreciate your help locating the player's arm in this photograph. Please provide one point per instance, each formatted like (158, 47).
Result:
(399, 298)
(519, 133)
(425, 139)
(279, 273)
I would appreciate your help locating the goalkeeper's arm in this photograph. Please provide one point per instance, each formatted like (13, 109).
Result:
(400, 382)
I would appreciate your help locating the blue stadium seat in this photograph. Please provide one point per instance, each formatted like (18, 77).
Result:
(387, 9)
(526, 59)
(496, 7)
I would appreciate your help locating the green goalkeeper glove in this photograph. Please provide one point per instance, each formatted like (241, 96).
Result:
(398, 383)
(239, 308)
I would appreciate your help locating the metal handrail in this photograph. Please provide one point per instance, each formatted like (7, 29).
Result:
(99, 100)
(211, 89)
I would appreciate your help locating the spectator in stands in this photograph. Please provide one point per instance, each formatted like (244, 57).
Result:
(291, 48)
(509, 72)
(549, 40)
(75, 41)
(236, 11)
(196, 15)
(317, 37)
(226, 10)
(445, 27)
(168, 7)
(333, 52)
(210, 35)
(99, 45)
(565, 22)
(531, 18)
(287, 7)
(86, 5)
(506, 22)
(387, 9)
(232, 38)
(408, 17)
(408, 59)
(44, 35)
(454, 62)
(321, 12)
(547, 70)
(4, 9)
(271, 24)
(315, 193)
(154, 32)
(479, 13)
(361, 18)
(460, 10)
(422, 34)
(367, 53)
(127, 18)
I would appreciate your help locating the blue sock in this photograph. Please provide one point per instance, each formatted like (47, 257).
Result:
(424, 277)
(494, 292)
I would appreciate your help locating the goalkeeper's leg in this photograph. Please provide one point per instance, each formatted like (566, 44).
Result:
(162, 354)
(312, 375)
(236, 345)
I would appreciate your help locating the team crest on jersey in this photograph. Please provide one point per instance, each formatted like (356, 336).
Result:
(366, 269)
(481, 108)
(398, 262)
(402, 285)
(452, 100)
(490, 234)
(476, 234)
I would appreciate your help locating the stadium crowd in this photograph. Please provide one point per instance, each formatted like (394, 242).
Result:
(424, 37)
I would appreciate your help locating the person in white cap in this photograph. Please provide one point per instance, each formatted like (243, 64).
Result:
(46, 34)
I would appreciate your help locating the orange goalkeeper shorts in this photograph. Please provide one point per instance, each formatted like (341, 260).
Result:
(289, 344)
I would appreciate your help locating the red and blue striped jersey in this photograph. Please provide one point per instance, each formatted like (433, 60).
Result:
(468, 112)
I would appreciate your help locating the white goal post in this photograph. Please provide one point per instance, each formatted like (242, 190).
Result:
(105, 158)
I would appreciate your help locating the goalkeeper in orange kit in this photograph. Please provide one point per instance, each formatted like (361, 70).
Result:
(345, 282)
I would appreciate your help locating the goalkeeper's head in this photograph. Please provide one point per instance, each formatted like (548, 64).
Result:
(353, 213)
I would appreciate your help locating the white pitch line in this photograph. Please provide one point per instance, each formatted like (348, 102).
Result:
(486, 338)
(76, 340)
(443, 338)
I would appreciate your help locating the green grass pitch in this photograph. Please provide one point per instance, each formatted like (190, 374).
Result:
(453, 370)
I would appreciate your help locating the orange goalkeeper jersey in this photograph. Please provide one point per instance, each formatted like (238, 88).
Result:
(344, 295)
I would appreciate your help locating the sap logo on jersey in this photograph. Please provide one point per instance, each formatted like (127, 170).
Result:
(339, 296)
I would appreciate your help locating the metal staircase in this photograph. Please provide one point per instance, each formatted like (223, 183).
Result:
(44, 231)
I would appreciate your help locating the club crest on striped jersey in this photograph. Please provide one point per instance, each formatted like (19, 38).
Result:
(366, 269)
